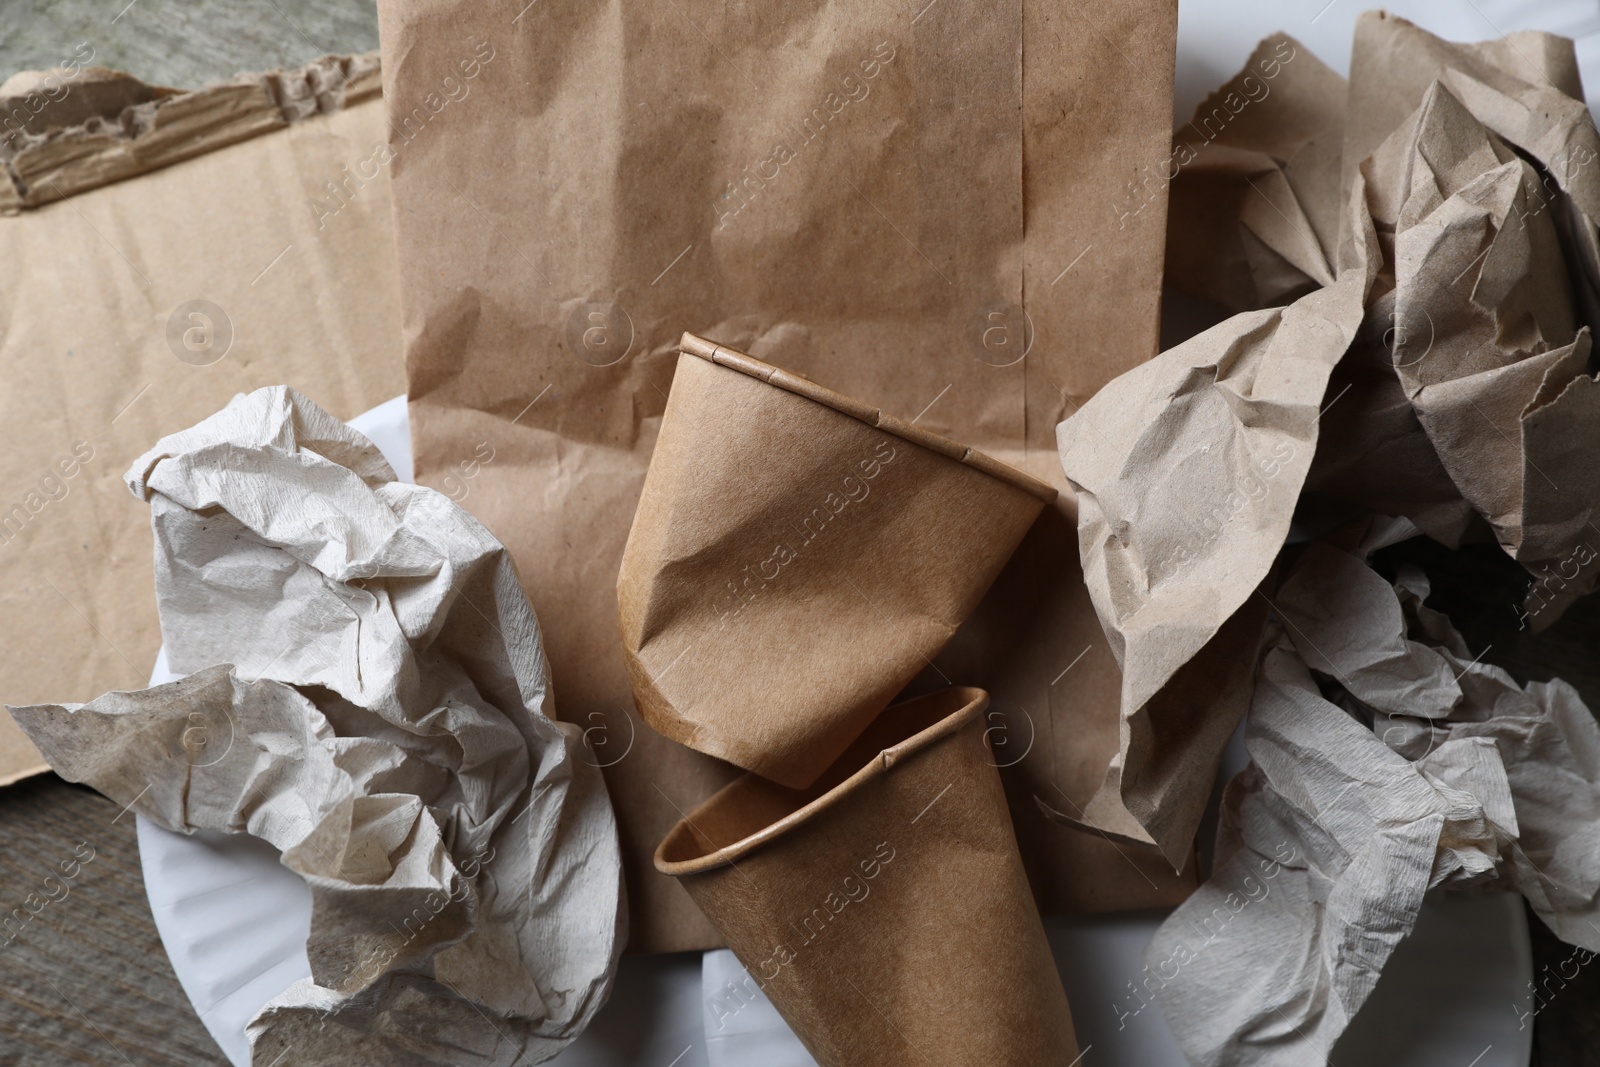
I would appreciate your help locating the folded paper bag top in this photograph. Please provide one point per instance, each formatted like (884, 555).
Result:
(797, 557)
(884, 910)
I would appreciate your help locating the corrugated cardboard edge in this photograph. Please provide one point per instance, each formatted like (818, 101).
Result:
(143, 128)
(691, 345)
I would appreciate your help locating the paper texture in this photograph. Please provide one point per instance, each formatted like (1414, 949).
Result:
(1186, 471)
(1393, 62)
(1386, 763)
(299, 294)
(1473, 418)
(925, 211)
(796, 559)
(1254, 219)
(850, 904)
(1498, 375)
(367, 692)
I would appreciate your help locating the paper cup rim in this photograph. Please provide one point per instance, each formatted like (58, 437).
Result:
(968, 702)
(722, 356)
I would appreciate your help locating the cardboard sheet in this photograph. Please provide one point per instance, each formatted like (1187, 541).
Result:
(924, 210)
(366, 691)
(102, 352)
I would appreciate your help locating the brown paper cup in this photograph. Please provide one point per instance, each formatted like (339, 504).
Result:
(884, 911)
(797, 557)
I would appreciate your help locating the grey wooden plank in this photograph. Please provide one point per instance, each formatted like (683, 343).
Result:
(83, 976)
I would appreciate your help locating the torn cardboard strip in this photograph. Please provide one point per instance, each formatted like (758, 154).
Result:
(73, 129)
(368, 693)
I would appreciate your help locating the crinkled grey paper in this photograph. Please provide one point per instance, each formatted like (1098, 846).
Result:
(366, 691)
(1386, 763)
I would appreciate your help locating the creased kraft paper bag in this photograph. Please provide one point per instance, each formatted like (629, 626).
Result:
(134, 304)
(925, 207)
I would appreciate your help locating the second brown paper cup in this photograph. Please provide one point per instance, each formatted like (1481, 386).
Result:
(884, 911)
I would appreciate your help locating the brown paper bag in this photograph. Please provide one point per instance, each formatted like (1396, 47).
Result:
(796, 559)
(267, 231)
(935, 208)
(884, 911)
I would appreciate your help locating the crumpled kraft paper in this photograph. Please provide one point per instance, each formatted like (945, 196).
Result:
(1253, 224)
(1462, 398)
(1254, 214)
(1187, 470)
(1265, 161)
(922, 207)
(1483, 177)
(1376, 455)
(367, 691)
(1496, 355)
(1393, 62)
(1386, 764)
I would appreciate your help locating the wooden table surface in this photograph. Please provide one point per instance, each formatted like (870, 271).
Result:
(85, 980)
